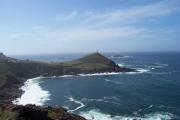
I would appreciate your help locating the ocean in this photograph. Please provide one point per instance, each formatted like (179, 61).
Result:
(153, 93)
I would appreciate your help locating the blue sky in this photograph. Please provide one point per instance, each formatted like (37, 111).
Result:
(75, 26)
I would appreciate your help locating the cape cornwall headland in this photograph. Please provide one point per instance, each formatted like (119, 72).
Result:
(14, 72)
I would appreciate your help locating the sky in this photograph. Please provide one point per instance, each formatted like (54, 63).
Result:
(80, 26)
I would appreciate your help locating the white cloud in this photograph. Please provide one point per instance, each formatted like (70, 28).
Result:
(135, 13)
(66, 17)
(84, 34)
(77, 34)
(14, 35)
(38, 27)
(72, 40)
(94, 32)
(130, 14)
(97, 26)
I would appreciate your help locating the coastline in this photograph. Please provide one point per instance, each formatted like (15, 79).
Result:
(17, 72)
(11, 91)
(44, 95)
(94, 113)
(31, 86)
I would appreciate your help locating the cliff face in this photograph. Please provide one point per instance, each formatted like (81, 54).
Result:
(14, 72)
(89, 64)
(32, 112)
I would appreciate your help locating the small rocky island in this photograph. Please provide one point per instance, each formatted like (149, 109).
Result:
(14, 72)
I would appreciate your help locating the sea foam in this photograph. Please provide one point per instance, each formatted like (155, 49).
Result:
(120, 56)
(81, 105)
(33, 93)
(100, 74)
(139, 71)
(95, 114)
(121, 64)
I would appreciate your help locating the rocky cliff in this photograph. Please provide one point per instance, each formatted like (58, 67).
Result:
(32, 112)
(13, 74)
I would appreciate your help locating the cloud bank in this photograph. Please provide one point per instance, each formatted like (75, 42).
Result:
(105, 26)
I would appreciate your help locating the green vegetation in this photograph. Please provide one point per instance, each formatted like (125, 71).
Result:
(80, 64)
(3, 73)
(6, 114)
(92, 61)
(32, 112)
(70, 63)
(28, 69)
(14, 71)
(55, 114)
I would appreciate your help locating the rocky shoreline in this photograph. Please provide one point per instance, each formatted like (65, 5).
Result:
(11, 91)
(33, 112)
(13, 74)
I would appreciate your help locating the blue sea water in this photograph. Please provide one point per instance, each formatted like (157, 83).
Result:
(151, 94)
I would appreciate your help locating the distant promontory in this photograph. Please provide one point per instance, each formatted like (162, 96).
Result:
(14, 72)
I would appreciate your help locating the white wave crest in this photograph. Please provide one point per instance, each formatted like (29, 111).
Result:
(160, 65)
(66, 76)
(157, 65)
(81, 105)
(100, 74)
(95, 114)
(126, 56)
(142, 70)
(107, 80)
(121, 65)
(139, 71)
(33, 93)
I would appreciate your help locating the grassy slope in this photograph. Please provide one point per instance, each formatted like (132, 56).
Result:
(28, 69)
(31, 112)
(92, 61)
(3, 73)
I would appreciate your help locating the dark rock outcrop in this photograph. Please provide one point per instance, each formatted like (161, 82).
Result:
(13, 74)
(32, 112)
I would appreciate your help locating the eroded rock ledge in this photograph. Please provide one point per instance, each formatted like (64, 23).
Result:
(32, 112)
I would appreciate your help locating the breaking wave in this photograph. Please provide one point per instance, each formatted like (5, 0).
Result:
(33, 93)
(121, 64)
(95, 114)
(142, 70)
(81, 105)
(119, 56)
(157, 65)
(99, 74)
(139, 71)
(160, 65)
